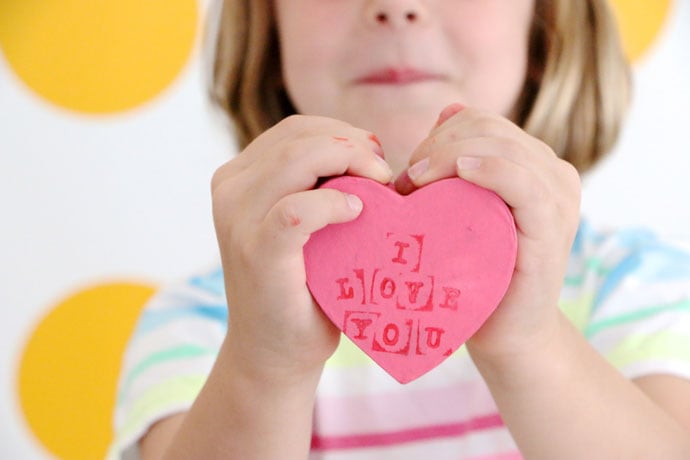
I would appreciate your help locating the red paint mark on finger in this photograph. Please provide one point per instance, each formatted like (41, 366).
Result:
(343, 140)
(378, 150)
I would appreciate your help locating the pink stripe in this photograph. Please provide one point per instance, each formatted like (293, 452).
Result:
(399, 409)
(409, 435)
(511, 456)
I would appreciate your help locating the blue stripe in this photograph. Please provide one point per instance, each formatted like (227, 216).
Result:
(579, 238)
(650, 262)
(614, 277)
(662, 262)
(212, 283)
(152, 319)
(585, 234)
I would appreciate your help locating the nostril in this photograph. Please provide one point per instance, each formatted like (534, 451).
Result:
(411, 16)
(381, 18)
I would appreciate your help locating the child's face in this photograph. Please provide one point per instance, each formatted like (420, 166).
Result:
(390, 66)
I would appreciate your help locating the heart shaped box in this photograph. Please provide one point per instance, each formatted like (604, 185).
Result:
(413, 277)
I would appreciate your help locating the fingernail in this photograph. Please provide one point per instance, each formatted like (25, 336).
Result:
(417, 169)
(354, 202)
(385, 165)
(468, 163)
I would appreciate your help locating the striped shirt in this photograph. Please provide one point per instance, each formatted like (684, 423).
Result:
(627, 292)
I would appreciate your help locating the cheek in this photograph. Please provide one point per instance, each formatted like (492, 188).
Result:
(305, 77)
(314, 69)
(493, 65)
(301, 62)
(500, 85)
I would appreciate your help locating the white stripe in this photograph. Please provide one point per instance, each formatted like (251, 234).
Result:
(634, 294)
(160, 373)
(670, 322)
(371, 379)
(187, 330)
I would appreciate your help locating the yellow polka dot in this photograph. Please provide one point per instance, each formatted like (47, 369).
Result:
(100, 56)
(69, 369)
(640, 23)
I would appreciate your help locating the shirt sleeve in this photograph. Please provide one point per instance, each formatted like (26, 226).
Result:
(640, 309)
(168, 357)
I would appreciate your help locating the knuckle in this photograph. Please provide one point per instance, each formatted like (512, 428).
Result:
(337, 201)
(246, 251)
(292, 152)
(225, 215)
(287, 215)
(484, 126)
(571, 173)
(513, 149)
(292, 122)
(242, 253)
(571, 179)
(224, 192)
(545, 147)
(446, 136)
(222, 174)
(537, 191)
(216, 179)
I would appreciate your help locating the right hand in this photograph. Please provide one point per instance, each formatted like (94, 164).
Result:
(265, 209)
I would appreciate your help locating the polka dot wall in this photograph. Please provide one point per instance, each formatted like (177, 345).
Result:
(107, 146)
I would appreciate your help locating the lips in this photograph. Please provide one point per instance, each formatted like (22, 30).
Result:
(397, 76)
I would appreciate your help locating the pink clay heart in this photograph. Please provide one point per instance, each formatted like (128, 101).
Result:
(413, 277)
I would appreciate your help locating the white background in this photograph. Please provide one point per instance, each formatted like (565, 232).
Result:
(85, 200)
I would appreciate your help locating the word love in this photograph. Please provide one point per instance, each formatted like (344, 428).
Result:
(407, 291)
(413, 277)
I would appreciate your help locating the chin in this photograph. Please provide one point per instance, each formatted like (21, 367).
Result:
(401, 127)
(398, 147)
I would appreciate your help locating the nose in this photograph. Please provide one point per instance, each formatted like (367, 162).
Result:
(396, 13)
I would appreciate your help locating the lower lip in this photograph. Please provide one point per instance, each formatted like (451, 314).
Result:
(397, 78)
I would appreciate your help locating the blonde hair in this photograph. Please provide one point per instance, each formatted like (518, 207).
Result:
(574, 98)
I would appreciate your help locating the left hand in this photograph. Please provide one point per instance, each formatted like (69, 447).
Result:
(543, 193)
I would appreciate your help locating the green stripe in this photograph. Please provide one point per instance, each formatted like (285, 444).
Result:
(665, 346)
(349, 355)
(595, 264)
(637, 315)
(577, 310)
(169, 354)
(157, 400)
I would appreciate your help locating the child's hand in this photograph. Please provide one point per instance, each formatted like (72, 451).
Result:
(543, 193)
(264, 211)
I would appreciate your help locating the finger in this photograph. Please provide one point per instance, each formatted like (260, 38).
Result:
(441, 162)
(295, 217)
(476, 123)
(472, 123)
(299, 163)
(296, 126)
(525, 151)
(293, 127)
(524, 190)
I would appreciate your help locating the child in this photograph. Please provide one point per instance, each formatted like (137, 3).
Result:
(530, 92)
